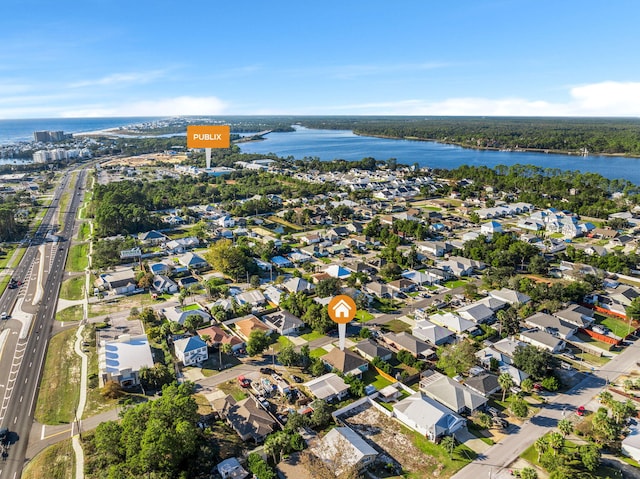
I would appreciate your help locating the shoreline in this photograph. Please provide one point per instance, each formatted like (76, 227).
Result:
(508, 150)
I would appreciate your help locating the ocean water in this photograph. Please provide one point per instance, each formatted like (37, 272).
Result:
(12, 131)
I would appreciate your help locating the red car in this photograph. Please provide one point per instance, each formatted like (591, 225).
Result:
(580, 411)
(244, 382)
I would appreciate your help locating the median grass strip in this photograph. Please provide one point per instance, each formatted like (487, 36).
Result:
(73, 289)
(55, 462)
(60, 385)
(78, 258)
(83, 231)
(72, 313)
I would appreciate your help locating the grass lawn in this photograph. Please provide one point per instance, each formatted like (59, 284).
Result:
(397, 326)
(372, 377)
(78, 260)
(55, 462)
(462, 455)
(73, 288)
(594, 342)
(284, 341)
(83, 231)
(96, 402)
(592, 359)
(318, 353)
(6, 256)
(312, 336)
(454, 283)
(385, 305)
(191, 307)
(60, 385)
(363, 316)
(72, 313)
(4, 282)
(233, 388)
(211, 366)
(617, 326)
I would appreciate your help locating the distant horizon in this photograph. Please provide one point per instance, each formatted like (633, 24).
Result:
(286, 115)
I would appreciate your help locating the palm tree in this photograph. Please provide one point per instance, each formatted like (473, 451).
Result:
(565, 426)
(556, 441)
(506, 382)
(223, 348)
(541, 446)
(449, 444)
(606, 398)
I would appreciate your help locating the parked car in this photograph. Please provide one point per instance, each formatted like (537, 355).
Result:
(267, 371)
(244, 382)
(297, 379)
(4, 435)
(580, 411)
(4, 315)
(596, 328)
(569, 355)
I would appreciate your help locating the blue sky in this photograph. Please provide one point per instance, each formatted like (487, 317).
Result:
(468, 57)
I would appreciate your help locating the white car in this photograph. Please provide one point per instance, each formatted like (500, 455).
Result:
(4, 315)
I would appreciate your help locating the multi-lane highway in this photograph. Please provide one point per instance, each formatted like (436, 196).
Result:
(26, 336)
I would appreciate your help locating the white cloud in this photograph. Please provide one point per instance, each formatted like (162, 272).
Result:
(183, 105)
(121, 78)
(608, 98)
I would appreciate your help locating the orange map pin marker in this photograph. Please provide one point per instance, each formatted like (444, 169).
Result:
(342, 309)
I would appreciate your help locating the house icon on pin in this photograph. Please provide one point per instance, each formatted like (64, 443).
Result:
(341, 309)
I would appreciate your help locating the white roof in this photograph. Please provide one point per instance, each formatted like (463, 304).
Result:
(429, 414)
(452, 321)
(326, 386)
(354, 448)
(125, 353)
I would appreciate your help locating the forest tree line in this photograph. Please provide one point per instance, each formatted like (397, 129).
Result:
(596, 135)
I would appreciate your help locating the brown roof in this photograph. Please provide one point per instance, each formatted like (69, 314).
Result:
(218, 336)
(247, 418)
(250, 323)
(344, 361)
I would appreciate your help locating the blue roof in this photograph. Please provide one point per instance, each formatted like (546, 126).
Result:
(279, 260)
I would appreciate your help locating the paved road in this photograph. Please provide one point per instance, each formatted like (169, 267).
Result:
(25, 362)
(504, 453)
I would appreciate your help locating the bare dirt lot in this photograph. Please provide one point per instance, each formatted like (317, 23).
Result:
(145, 160)
(388, 435)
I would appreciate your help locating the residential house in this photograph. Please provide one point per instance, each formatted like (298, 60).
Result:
(178, 314)
(488, 229)
(434, 248)
(407, 342)
(401, 285)
(218, 336)
(347, 362)
(310, 238)
(344, 443)
(630, 445)
(299, 258)
(432, 333)
(457, 267)
(370, 349)
(120, 282)
(187, 281)
(508, 346)
(378, 290)
(624, 294)
(231, 469)
(283, 322)
(181, 245)
(191, 350)
(328, 387)
(477, 312)
(273, 295)
(193, 261)
(450, 393)
(358, 267)
(452, 322)
(420, 278)
(337, 271)
(249, 323)
(298, 285)
(552, 325)
(248, 419)
(160, 268)
(122, 359)
(543, 340)
(254, 297)
(494, 304)
(427, 416)
(575, 314)
(485, 384)
(152, 237)
(516, 374)
(281, 262)
(163, 284)
(510, 296)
